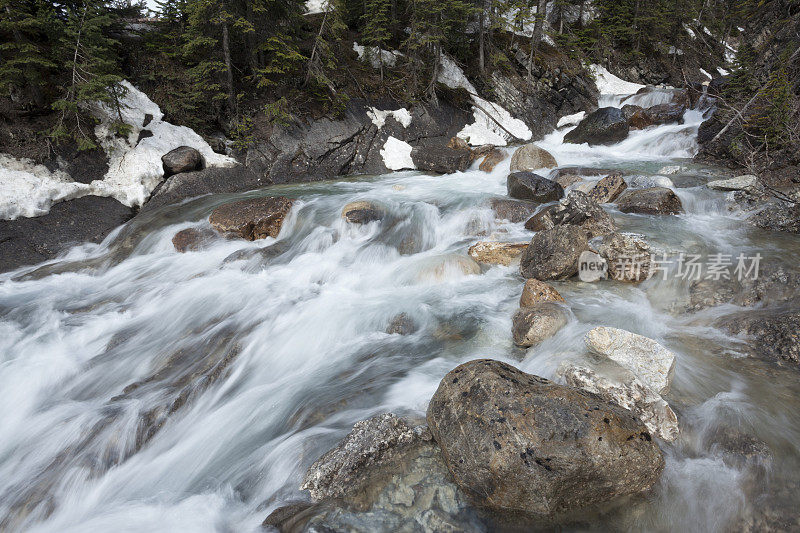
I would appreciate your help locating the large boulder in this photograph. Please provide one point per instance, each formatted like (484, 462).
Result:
(530, 186)
(621, 386)
(441, 159)
(739, 183)
(251, 219)
(491, 160)
(27, 241)
(628, 256)
(532, 325)
(607, 125)
(651, 201)
(210, 180)
(669, 113)
(530, 157)
(608, 189)
(536, 292)
(577, 209)
(512, 210)
(497, 253)
(651, 362)
(518, 442)
(182, 159)
(554, 253)
(773, 333)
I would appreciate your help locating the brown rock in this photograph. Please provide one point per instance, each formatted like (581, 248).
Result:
(492, 159)
(530, 157)
(497, 253)
(512, 210)
(251, 219)
(651, 201)
(362, 212)
(628, 256)
(191, 239)
(535, 292)
(565, 180)
(532, 325)
(608, 189)
(554, 253)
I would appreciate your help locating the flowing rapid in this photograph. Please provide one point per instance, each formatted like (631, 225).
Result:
(149, 390)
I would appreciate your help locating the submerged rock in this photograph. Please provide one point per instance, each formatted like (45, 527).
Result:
(607, 125)
(191, 239)
(518, 442)
(497, 253)
(651, 201)
(362, 212)
(628, 256)
(512, 210)
(448, 266)
(492, 159)
(622, 387)
(251, 219)
(554, 253)
(530, 186)
(651, 362)
(773, 333)
(532, 325)
(777, 216)
(402, 324)
(535, 292)
(182, 159)
(530, 157)
(608, 189)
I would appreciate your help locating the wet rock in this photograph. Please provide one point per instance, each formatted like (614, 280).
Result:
(554, 253)
(251, 219)
(512, 210)
(773, 333)
(457, 143)
(182, 159)
(283, 518)
(568, 180)
(621, 386)
(362, 212)
(669, 113)
(535, 292)
(592, 267)
(651, 201)
(777, 216)
(608, 189)
(518, 442)
(532, 325)
(27, 241)
(739, 450)
(578, 210)
(497, 253)
(440, 159)
(629, 257)
(637, 117)
(530, 157)
(579, 171)
(652, 363)
(402, 324)
(191, 239)
(492, 159)
(739, 183)
(530, 186)
(607, 125)
(211, 180)
(773, 284)
(347, 467)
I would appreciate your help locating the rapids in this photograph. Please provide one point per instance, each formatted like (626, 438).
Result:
(146, 390)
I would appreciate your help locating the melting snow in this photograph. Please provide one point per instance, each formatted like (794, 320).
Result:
(134, 170)
(370, 52)
(317, 6)
(722, 71)
(706, 74)
(571, 120)
(607, 83)
(379, 117)
(689, 30)
(397, 154)
(30, 189)
(485, 129)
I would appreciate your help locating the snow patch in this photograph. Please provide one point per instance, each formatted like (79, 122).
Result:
(722, 71)
(379, 117)
(317, 6)
(485, 129)
(134, 170)
(607, 83)
(397, 154)
(706, 74)
(29, 190)
(571, 120)
(689, 30)
(371, 53)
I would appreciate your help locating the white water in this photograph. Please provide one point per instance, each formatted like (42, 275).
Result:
(310, 356)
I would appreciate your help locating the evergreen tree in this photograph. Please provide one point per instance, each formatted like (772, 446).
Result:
(376, 29)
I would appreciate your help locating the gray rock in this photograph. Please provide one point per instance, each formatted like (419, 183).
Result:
(578, 210)
(777, 216)
(27, 241)
(608, 189)
(182, 159)
(629, 257)
(251, 219)
(518, 442)
(211, 180)
(530, 186)
(607, 125)
(651, 201)
(739, 183)
(535, 292)
(440, 159)
(512, 210)
(530, 157)
(532, 325)
(773, 333)
(553, 254)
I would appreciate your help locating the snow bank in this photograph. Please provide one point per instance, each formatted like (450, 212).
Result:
(134, 170)
(607, 83)
(485, 129)
(379, 117)
(571, 120)
(397, 154)
(28, 189)
(371, 53)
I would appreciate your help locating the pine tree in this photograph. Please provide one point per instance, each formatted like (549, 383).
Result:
(377, 31)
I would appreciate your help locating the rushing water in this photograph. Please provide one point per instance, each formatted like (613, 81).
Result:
(146, 390)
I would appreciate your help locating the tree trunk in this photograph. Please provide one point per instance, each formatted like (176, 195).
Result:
(481, 31)
(538, 26)
(226, 55)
